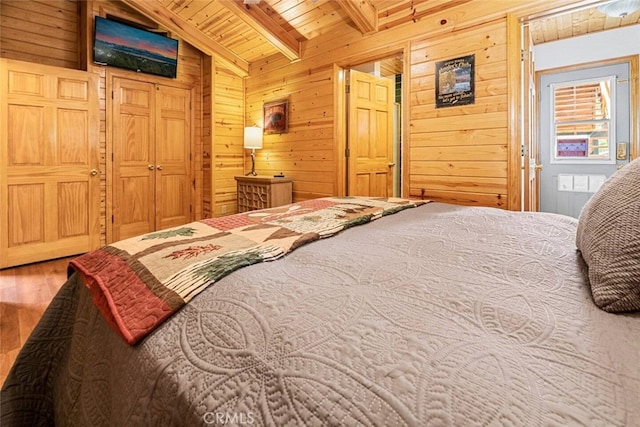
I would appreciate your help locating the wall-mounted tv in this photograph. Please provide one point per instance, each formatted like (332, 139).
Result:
(123, 46)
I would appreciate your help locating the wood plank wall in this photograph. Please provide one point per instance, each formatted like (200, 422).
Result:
(459, 154)
(223, 149)
(25, 22)
(306, 152)
(44, 32)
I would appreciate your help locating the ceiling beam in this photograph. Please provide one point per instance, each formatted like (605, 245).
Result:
(362, 13)
(172, 22)
(267, 27)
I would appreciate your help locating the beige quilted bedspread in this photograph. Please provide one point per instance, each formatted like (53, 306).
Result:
(440, 315)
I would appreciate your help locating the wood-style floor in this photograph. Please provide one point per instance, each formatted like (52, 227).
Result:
(25, 292)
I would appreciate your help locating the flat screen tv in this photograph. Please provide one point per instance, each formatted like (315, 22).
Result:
(123, 46)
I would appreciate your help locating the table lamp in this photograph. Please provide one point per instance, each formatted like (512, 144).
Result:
(253, 140)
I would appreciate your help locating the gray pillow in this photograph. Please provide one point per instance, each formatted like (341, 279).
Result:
(608, 238)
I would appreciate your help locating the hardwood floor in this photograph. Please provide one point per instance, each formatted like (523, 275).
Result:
(25, 292)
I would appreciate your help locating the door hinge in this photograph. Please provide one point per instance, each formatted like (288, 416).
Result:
(112, 95)
(347, 89)
(112, 158)
(190, 208)
(112, 219)
(347, 152)
(523, 55)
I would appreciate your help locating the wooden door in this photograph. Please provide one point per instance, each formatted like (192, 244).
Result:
(151, 153)
(370, 163)
(133, 159)
(173, 156)
(49, 177)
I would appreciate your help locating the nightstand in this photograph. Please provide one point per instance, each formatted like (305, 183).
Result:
(260, 192)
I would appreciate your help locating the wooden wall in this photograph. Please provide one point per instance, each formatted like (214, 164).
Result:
(44, 32)
(307, 151)
(457, 154)
(223, 150)
(25, 21)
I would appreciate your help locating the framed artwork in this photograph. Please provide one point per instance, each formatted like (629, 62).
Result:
(276, 117)
(455, 82)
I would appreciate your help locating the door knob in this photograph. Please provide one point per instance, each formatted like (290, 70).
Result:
(93, 172)
(538, 167)
(391, 164)
(159, 167)
(150, 167)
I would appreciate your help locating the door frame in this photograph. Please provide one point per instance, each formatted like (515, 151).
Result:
(341, 111)
(109, 76)
(516, 183)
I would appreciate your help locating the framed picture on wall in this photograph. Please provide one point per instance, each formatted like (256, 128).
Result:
(276, 116)
(455, 82)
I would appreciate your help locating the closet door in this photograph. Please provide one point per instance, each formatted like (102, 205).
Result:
(151, 154)
(133, 159)
(173, 157)
(49, 178)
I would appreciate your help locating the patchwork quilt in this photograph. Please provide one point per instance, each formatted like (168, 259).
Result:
(139, 282)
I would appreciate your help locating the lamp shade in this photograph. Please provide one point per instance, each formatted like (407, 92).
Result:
(252, 137)
(620, 8)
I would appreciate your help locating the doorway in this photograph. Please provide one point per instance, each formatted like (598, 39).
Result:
(584, 132)
(374, 128)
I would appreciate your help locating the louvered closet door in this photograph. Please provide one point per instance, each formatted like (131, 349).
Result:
(49, 178)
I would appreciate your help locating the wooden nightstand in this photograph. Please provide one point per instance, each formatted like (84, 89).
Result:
(260, 192)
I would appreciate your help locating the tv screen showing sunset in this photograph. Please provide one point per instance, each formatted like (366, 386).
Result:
(123, 46)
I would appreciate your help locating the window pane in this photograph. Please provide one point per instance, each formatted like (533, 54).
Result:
(582, 113)
(586, 101)
(583, 140)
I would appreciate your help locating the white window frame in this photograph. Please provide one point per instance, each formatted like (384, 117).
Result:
(555, 159)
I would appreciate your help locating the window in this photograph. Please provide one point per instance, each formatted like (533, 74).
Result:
(582, 116)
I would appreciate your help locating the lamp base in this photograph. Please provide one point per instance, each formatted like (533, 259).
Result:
(253, 163)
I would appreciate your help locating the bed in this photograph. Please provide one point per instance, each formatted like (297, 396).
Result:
(435, 314)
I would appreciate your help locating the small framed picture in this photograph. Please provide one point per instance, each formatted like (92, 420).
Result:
(276, 116)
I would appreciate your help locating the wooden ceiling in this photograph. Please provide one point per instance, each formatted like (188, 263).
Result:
(577, 23)
(240, 32)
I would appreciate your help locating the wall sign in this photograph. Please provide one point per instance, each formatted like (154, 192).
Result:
(455, 82)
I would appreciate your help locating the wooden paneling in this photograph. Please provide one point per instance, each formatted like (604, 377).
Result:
(306, 152)
(226, 142)
(577, 23)
(441, 150)
(465, 145)
(45, 32)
